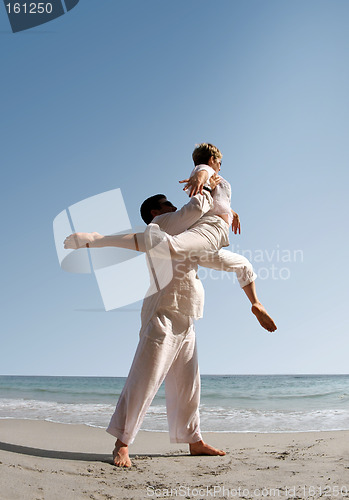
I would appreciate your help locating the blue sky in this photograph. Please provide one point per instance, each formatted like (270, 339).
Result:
(115, 94)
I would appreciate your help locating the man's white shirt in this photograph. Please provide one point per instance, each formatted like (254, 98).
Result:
(185, 292)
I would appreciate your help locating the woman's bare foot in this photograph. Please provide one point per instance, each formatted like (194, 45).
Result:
(263, 317)
(201, 448)
(120, 455)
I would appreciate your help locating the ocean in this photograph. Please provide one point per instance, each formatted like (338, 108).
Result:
(229, 403)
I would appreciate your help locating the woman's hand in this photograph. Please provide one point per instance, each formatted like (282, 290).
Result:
(195, 183)
(236, 226)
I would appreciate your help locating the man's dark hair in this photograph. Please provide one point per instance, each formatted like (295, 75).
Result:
(150, 204)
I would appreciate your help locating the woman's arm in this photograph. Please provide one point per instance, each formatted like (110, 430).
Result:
(199, 178)
(196, 182)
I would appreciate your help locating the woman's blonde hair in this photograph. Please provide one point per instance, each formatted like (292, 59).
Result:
(203, 152)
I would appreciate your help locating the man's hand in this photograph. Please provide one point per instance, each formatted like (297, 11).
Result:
(236, 226)
(79, 240)
(195, 183)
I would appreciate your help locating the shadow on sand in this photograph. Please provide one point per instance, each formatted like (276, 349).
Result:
(72, 455)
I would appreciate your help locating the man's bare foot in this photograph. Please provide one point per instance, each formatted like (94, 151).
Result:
(263, 317)
(201, 448)
(120, 455)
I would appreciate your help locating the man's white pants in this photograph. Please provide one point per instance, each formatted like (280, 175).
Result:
(166, 351)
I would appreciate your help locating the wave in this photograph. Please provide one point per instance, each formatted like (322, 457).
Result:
(214, 419)
(264, 396)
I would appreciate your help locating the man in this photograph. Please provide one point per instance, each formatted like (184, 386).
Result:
(167, 347)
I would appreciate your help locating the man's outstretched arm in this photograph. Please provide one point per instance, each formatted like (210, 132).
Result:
(134, 241)
(173, 223)
(177, 222)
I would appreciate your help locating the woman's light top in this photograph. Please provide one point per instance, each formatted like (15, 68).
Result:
(221, 195)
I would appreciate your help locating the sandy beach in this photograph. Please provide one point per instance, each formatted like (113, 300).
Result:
(46, 461)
